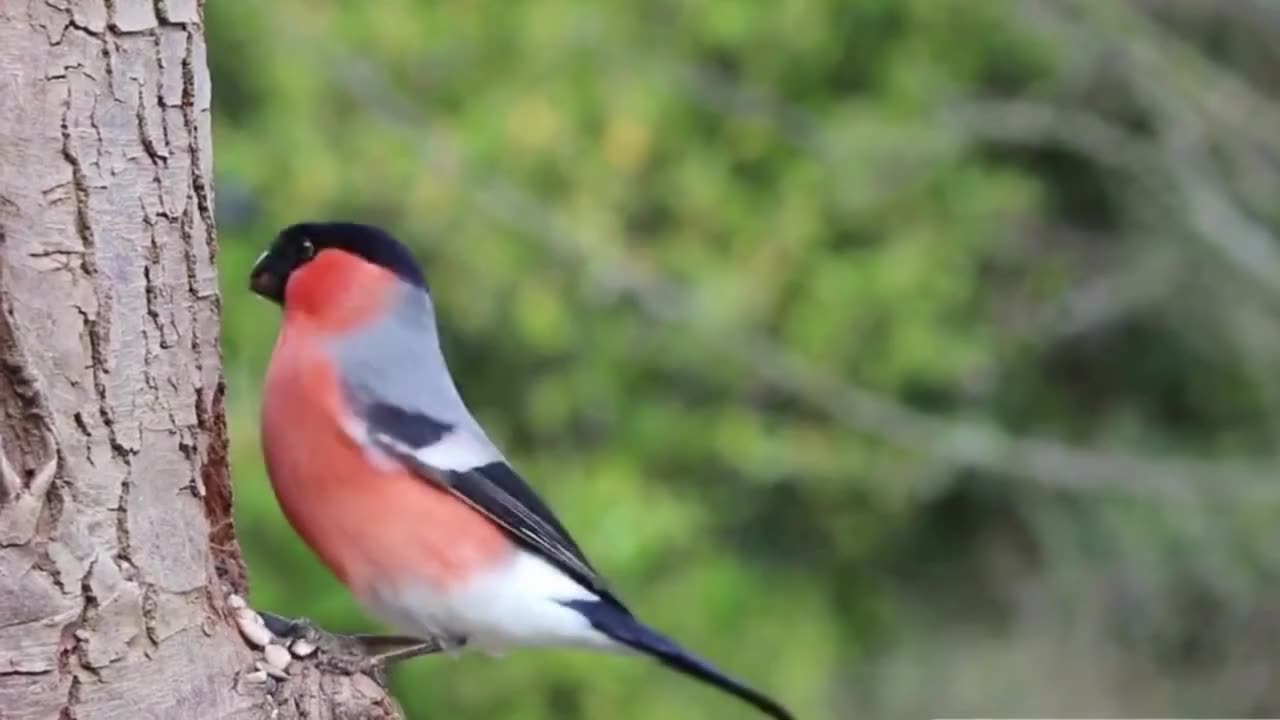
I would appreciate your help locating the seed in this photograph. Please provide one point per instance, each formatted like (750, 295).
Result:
(277, 656)
(252, 629)
(302, 648)
(271, 670)
(248, 615)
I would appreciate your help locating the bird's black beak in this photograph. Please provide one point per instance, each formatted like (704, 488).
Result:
(266, 279)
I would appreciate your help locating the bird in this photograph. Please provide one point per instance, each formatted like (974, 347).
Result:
(380, 467)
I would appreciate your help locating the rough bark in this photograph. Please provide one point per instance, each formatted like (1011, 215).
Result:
(113, 576)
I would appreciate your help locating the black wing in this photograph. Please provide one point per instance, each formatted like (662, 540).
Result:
(494, 489)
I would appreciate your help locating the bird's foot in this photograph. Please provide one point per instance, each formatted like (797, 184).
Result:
(356, 653)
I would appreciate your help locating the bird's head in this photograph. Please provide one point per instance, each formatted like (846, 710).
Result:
(342, 246)
(322, 267)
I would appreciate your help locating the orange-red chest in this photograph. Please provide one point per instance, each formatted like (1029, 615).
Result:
(370, 524)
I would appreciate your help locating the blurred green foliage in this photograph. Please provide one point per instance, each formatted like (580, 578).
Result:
(618, 204)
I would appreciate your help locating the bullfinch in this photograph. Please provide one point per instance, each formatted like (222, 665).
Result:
(382, 470)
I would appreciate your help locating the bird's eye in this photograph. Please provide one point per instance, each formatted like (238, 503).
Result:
(308, 250)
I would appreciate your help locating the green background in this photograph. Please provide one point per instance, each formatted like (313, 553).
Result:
(907, 358)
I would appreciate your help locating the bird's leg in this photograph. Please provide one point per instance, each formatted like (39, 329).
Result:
(390, 649)
(357, 653)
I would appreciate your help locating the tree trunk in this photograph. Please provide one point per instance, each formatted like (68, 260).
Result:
(117, 549)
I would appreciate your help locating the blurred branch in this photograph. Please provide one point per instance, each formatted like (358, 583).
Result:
(1247, 246)
(1185, 93)
(953, 442)
(1025, 122)
(1211, 212)
(1180, 69)
(1106, 300)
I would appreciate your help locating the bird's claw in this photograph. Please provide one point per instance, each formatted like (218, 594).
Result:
(289, 628)
(358, 653)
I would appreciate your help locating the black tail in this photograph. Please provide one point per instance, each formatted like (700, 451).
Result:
(618, 624)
